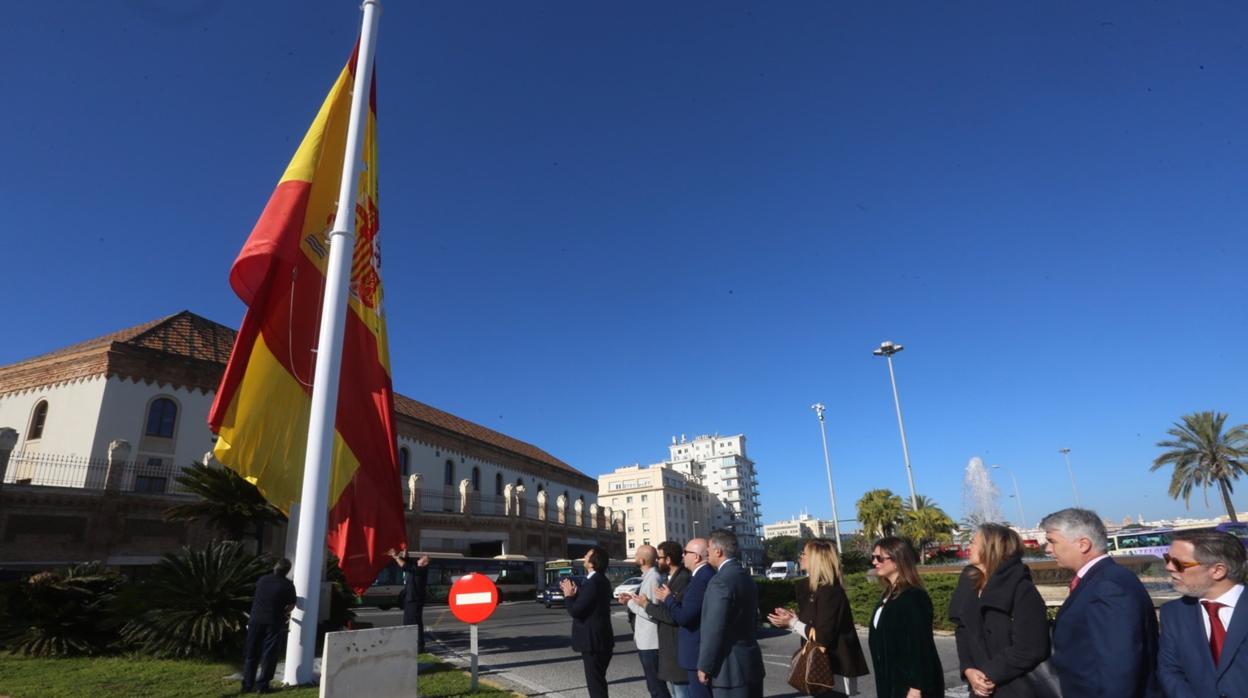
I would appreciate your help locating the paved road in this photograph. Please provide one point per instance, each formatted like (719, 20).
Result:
(526, 647)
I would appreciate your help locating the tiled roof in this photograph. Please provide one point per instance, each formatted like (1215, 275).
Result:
(187, 337)
(418, 410)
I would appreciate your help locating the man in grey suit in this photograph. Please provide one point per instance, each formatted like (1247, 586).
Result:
(729, 659)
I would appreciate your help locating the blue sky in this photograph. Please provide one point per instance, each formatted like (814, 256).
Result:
(606, 225)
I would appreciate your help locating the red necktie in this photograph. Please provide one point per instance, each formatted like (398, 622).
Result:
(1217, 631)
(1074, 582)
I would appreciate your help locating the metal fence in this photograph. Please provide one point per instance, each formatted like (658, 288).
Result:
(80, 472)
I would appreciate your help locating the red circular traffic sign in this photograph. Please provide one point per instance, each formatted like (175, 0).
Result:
(473, 598)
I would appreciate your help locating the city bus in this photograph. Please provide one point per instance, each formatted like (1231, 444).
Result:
(617, 571)
(1156, 541)
(515, 575)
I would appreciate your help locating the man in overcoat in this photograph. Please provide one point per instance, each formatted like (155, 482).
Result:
(729, 659)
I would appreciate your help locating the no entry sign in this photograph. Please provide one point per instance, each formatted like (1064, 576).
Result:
(473, 598)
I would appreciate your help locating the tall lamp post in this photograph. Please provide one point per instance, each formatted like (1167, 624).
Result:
(1066, 455)
(1022, 518)
(827, 465)
(887, 349)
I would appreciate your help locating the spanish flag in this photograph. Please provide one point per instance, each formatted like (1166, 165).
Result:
(262, 406)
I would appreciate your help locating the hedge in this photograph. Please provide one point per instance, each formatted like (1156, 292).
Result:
(863, 595)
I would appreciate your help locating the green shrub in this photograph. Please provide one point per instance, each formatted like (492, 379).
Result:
(59, 614)
(197, 602)
(854, 561)
(865, 593)
(775, 593)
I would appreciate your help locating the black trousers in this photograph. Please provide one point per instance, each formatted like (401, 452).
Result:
(412, 615)
(264, 641)
(596, 664)
(656, 687)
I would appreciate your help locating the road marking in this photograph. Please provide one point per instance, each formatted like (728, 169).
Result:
(479, 597)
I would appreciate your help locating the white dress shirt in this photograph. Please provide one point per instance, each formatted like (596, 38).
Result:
(1229, 599)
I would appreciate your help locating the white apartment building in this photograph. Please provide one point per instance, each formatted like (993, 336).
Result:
(659, 503)
(721, 464)
(803, 526)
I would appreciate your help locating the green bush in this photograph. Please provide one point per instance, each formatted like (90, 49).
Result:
(60, 614)
(775, 593)
(865, 593)
(197, 602)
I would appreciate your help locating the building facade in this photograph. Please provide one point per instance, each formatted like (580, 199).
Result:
(803, 526)
(658, 502)
(121, 415)
(717, 465)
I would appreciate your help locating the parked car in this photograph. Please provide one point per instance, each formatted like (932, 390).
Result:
(628, 586)
(554, 595)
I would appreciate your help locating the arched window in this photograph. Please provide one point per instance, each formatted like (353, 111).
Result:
(405, 460)
(519, 482)
(498, 484)
(449, 479)
(37, 420)
(541, 489)
(162, 417)
(476, 479)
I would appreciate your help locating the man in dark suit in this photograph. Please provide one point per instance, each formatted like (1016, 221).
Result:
(729, 659)
(1105, 637)
(1204, 635)
(677, 578)
(590, 608)
(412, 598)
(687, 612)
(266, 626)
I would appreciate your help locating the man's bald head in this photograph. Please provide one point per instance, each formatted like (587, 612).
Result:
(646, 555)
(695, 547)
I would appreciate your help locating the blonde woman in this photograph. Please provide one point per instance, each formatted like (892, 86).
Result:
(1002, 630)
(823, 610)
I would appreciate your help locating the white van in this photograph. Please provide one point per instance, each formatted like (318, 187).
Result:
(782, 570)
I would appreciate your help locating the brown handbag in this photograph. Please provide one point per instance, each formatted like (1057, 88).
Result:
(811, 672)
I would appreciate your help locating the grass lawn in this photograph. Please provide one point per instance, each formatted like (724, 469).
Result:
(135, 675)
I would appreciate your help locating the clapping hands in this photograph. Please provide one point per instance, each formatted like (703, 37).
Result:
(661, 592)
(781, 617)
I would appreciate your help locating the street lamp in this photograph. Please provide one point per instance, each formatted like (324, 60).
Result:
(695, 528)
(1066, 454)
(827, 464)
(1017, 496)
(887, 349)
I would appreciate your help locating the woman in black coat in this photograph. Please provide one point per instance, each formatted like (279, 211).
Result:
(903, 652)
(823, 611)
(1002, 629)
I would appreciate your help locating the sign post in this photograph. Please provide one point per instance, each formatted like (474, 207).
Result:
(473, 597)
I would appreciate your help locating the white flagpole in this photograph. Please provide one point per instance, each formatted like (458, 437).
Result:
(314, 502)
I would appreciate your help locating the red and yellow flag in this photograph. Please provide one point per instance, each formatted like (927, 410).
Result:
(262, 406)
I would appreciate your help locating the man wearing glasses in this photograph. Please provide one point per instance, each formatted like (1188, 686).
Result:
(1203, 649)
(687, 612)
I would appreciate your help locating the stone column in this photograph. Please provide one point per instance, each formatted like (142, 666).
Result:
(465, 505)
(578, 508)
(118, 453)
(593, 516)
(8, 441)
(521, 504)
(541, 505)
(413, 492)
(561, 509)
(509, 497)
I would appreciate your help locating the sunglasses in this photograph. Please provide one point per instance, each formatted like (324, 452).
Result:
(880, 558)
(1180, 565)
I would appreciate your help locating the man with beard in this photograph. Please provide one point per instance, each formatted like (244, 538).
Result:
(677, 578)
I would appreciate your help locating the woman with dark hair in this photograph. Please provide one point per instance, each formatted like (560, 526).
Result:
(823, 611)
(1002, 629)
(903, 652)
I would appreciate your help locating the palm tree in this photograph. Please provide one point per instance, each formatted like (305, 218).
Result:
(927, 524)
(197, 602)
(1203, 454)
(879, 512)
(227, 501)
